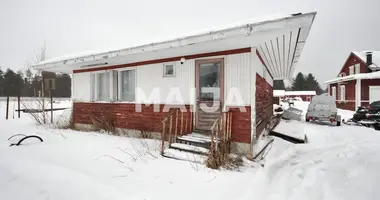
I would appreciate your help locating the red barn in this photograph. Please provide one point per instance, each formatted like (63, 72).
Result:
(358, 81)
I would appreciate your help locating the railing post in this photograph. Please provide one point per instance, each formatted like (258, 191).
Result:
(163, 138)
(212, 142)
(190, 121)
(176, 125)
(170, 129)
(181, 123)
(186, 125)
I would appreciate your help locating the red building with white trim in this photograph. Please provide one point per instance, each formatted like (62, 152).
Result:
(358, 81)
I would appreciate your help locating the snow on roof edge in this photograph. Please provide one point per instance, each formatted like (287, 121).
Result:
(93, 53)
(278, 93)
(373, 75)
(300, 92)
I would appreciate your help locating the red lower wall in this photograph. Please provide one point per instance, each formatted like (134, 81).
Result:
(264, 104)
(125, 116)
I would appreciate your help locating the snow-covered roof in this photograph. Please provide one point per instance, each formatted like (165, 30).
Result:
(373, 75)
(363, 57)
(278, 93)
(293, 93)
(291, 31)
(192, 34)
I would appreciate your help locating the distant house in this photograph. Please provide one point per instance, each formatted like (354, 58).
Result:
(358, 81)
(304, 95)
(277, 96)
(226, 72)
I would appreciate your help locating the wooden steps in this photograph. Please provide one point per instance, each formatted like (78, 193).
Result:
(188, 146)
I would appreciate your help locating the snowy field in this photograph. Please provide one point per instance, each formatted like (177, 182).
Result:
(338, 163)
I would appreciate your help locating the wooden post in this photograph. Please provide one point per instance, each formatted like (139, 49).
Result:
(18, 105)
(43, 97)
(176, 124)
(212, 142)
(181, 123)
(51, 106)
(170, 129)
(186, 125)
(190, 121)
(7, 109)
(163, 138)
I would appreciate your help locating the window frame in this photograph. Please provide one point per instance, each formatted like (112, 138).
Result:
(342, 93)
(95, 89)
(333, 92)
(119, 86)
(357, 68)
(164, 70)
(351, 70)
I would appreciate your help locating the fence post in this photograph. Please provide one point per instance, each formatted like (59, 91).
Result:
(7, 109)
(51, 106)
(18, 106)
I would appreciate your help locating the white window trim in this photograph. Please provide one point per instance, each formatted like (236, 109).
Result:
(357, 68)
(351, 70)
(370, 92)
(164, 69)
(333, 92)
(119, 84)
(94, 96)
(342, 94)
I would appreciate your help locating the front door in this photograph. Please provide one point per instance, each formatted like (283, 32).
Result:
(209, 92)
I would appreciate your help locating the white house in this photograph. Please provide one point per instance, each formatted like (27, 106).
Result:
(232, 70)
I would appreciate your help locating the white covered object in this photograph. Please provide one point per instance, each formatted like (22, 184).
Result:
(292, 113)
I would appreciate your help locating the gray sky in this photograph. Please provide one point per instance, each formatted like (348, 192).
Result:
(72, 26)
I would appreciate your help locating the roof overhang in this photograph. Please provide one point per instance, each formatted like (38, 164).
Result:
(279, 41)
(373, 75)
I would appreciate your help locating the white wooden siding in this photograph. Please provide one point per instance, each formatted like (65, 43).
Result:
(81, 87)
(150, 81)
(237, 79)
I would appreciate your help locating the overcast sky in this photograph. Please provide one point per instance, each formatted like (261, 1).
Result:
(70, 26)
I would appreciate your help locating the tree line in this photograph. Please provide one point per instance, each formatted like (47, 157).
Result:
(302, 82)
(25, 83)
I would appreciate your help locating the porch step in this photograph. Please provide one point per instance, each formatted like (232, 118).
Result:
(194, 141)
(189, 148)
(184, 156)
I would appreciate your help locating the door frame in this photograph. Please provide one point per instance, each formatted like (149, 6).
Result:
(221, 82)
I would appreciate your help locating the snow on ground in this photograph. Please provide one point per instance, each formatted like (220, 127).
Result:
(337, 163)
(88, 165)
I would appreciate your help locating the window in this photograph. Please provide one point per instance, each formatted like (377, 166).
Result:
(342, 74)
(169, 70)
(100, 85)
(351, 70)
(342, 93)
(127, 85)
(357, 68)
(334, 92)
